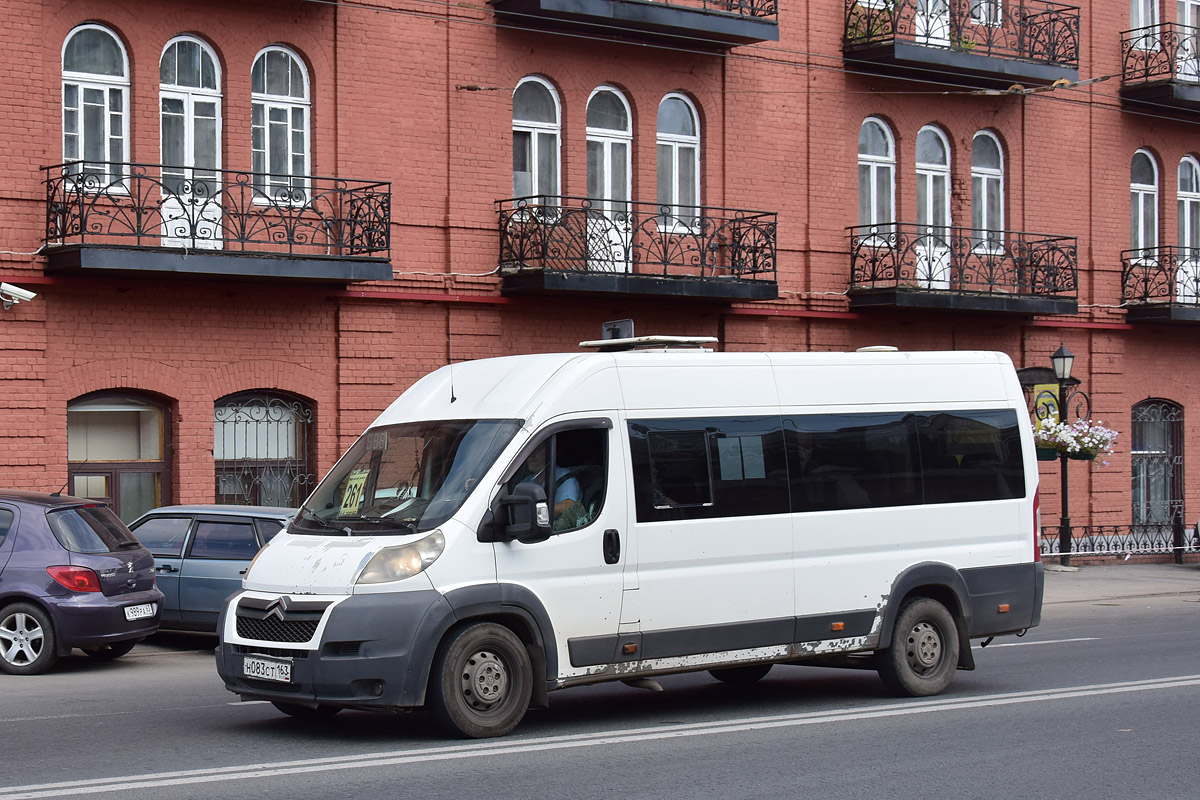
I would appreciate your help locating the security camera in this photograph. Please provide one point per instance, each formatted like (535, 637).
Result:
(10, 294)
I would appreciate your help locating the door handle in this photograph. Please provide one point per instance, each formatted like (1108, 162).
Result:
(612, 546)
(166, 568)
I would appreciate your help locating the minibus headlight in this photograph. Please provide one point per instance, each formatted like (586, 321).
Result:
(403, 561)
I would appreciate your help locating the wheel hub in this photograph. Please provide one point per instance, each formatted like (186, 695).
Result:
(924, 647)
(21, 639)
(484, 680)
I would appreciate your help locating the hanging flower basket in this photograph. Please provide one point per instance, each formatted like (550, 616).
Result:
(1082, 440)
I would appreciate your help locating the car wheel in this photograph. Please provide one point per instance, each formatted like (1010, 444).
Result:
(923, 654)
(306, 712)
(27, 644)
(481, 682)
(109, 652)
(741, 676)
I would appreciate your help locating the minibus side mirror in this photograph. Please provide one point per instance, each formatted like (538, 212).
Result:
(525, 514)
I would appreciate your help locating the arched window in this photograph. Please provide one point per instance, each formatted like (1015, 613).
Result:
(609, 139)
(190, 108)
(190, 138)
(1187, 271)
(116, 450)
(261, 446)
(1143, 204)
(1156, 451)
(933, 208)
(678, 161)
(609, 143)
(987, 190)
(876, 175)
(279, 119)
(537, 128)
(95, 81)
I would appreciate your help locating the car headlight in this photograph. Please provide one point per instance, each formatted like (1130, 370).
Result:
(403, 561)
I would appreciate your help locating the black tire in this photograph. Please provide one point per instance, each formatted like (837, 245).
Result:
(923, 654)
(741, 676)
(27, 642)
(306, 712)
(481, 682)
(110, 652)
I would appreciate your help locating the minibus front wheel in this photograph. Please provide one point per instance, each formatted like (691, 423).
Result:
(481, 682)
(923, 654)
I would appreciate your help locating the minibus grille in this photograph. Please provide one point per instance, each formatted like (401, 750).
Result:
(275, 630)
(279, 619)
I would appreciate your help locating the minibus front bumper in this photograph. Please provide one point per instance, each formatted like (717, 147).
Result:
(373, 653)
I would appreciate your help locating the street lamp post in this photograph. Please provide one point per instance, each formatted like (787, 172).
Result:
(1063, 360)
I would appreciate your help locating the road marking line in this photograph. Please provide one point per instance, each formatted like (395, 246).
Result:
(541, 744)
(1047, 641)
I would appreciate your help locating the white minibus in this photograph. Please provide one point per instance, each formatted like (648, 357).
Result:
(513, 526)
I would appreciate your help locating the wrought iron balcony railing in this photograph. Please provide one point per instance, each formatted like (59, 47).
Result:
(585, 235)
(1168, 275)
(962, 260)
(1025, 30)
(1164, 52)
(157, 206)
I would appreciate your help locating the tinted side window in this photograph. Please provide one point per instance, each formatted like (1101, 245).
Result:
(90, 529)
(6, 520)
(572, 468)
(233, 540)
(163, 536)
(852, 461)
(701, 468)
(971, 455)
(267, 528)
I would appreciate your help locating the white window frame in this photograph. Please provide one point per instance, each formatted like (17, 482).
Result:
(927, 173)
(1188, 238)
(1145, 14)
(1138, 192)
(106, 84)
(675, 142)
(988, 175)
(533, 128)
(268, 102)
(607, 137)
(1187, 267)
(987, 12)
(189, 95)
(876, 164)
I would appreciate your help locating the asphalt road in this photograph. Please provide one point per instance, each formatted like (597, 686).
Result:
(1098, 702)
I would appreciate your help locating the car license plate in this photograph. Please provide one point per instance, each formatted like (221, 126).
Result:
(139, 612)
(267, 669)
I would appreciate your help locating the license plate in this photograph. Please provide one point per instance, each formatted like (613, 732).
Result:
(139, 612)
(267, 669)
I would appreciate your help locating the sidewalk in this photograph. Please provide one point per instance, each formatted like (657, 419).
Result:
(1106, 582)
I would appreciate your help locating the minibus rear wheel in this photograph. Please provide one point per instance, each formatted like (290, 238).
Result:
(923, 654)
(481, 682)
(741, 676)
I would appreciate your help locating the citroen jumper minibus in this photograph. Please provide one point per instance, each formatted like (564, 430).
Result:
(514, 526)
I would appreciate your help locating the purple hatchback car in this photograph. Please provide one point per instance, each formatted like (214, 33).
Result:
(71, 575)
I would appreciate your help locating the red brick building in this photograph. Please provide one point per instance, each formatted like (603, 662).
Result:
(250, 226)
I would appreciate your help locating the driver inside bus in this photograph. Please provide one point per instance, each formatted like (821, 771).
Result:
(566, 490)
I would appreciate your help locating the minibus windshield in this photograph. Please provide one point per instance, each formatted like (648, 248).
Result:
(405, 478)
